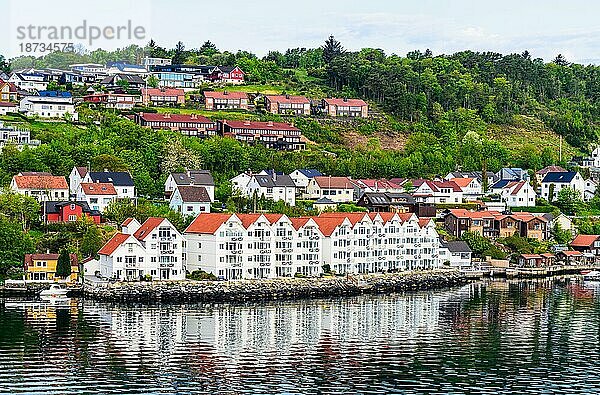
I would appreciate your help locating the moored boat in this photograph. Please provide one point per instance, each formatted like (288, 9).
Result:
(593, 275)
(55, 291)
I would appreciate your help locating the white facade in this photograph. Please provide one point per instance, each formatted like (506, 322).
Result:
(155, 250)
(177, 203)
(438, 192)
(337, 192)
(41, 188)
(240, 182)
(251, 246)
(518, 194)
(48, 107)
(171, 183)
(576, 182)
(98, 200)
(29, 82)
(272, 191)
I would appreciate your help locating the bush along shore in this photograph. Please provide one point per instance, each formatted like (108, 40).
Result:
(275, 289)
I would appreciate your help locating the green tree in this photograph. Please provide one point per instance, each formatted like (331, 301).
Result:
(20, 208)
(14, 244)
(560, 235)
(152, 81)
(63, 266)
(91, 242)
(569, 201)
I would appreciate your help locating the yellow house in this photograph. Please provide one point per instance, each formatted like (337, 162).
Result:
(42, 267)
(8, 91)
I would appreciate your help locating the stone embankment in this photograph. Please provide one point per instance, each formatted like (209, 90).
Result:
(275, 289)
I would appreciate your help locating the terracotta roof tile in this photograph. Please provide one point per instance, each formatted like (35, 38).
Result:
(584, 240)
(328, 224)
(163, 92)
(40, 182)
(147, 227)
(288, 99)
(175, 118)
(346, 102)
(207, 223)
(327, 182)
(113, 244)
(98, 188)
(226, 95)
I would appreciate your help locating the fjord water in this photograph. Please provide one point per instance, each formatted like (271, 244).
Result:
(522, 337)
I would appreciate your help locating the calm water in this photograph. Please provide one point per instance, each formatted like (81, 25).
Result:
(528, 338)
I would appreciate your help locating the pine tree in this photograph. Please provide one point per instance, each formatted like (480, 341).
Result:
(63, 266)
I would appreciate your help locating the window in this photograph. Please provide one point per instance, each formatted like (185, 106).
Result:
(72, 218)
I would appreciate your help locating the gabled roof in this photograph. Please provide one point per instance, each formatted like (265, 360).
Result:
(288, 99)
(194, 177)
(328, 182)
(147, 227)
(297, 223)
(98, 188)
(458, 246)
(345, 102)
(30, 258)
(226, 95)
(163, 92)
(550, 169)
(81, 170)
(267, 181)
(40, 181)
(310, 173)
(328, 224)
(207, 223)
(117, 178)
(272, 218)
(354, 218)
(53, 207)
(258, 125)
(193, 194)
(560, 177)
(462, 182)
(584, 240)
(113, 243)
(248, 219)
(175, 118)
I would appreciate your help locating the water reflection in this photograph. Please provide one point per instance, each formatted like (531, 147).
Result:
(501, 337)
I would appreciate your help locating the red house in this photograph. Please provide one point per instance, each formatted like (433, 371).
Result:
(68, 211)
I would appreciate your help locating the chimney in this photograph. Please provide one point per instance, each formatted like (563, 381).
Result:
(246, 123)
(345, 99)
(225, 92)
(270, 123)
(106, 170)
(287, 96)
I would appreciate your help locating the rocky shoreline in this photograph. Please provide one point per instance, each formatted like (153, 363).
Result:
(276, 289)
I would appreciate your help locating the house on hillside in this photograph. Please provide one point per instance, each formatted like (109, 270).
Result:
(345, 107)
(273, 187)
(540, 174)
(131, 81)
(588, 245)
(190, 200)
(192, 125)
(8, 91)
(163, 97)
(396, 203)
(301, 177)
(287, 105)
(194, 178)
(554, 182)
(225, 100)
(276, 135)
(512, 174)
(471, 187)
(515, 193)
(49, 104)
(337, 189)
(456, 254)
(68, 211)
(31, 82)
(41, 186)
(229, 75)
(98, 195)
(428, 191)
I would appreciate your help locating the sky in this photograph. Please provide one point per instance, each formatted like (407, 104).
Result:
(545, 28)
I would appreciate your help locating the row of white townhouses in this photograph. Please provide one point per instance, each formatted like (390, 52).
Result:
(254, 246)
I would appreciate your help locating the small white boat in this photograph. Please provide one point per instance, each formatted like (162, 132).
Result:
(55, 291)
(594, 275)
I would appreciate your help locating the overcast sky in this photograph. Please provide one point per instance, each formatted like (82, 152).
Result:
(545, 28)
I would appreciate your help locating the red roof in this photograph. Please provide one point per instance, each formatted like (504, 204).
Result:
(113, 244)
(405, 216)
(334, 182)
(272, 218)
(163, 92)
(328, 224)
(346, 102)
(551, 169)
(127, 221)
(40, 182)
(584, 240)
(82, 170)
(207, 223)
(531, 256)
(572, 253)
(226, 95)
(7, 104)
(248, 219)
(188, 118)
(381, 183)
(288, 99)
(98, 188)
(352, 217)
(147, 227)
(257, 125)
(424, 222)
(297, 223)
(30, 258)
(462, 182)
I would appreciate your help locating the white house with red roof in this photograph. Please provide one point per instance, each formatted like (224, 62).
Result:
(40, 185)
(345, 107)
(287, 105)
(438, 191)
(98, 195)
(155, 249)
(471, 187)
(252, 246)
